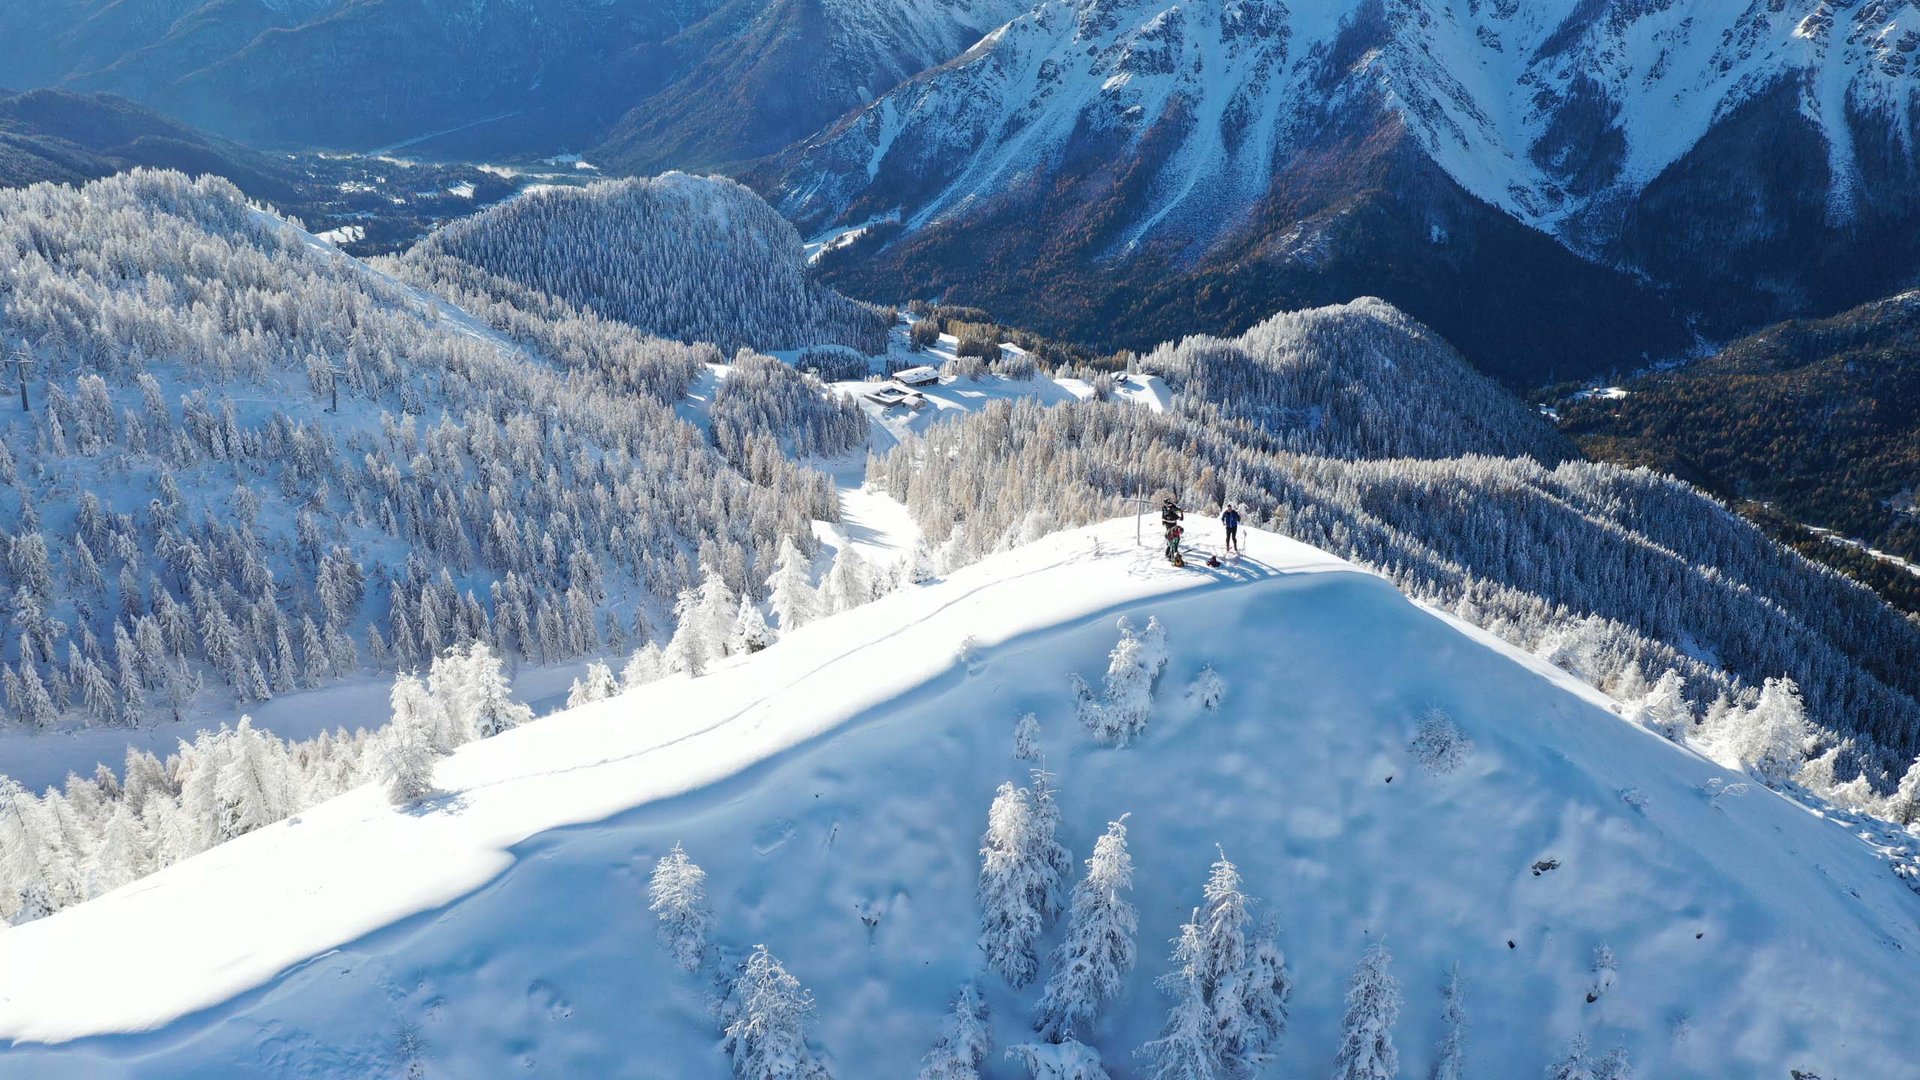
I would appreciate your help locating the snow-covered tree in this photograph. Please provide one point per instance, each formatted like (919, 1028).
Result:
(1615, 1066)
(1188, 1047)
(493, 707)
(1904, 807)
(791, 588)
(1208, 689)
(644, 666)
(849, 582)
(692, 648)
(766, 1032)
(1771, 739)
(1438, 744)
(407, 754)
(1092, 962)
(1450, 1057)
(1665, 708)
(1132, 669)
(598, 684)
(1064, 1060)
(677, 895)
(1366, 1034)
(1014, 884)
(1604, 969)
(1577, 1064)
(1057, 861)
(749, 632)
(253, 784)
(1026, 738)
(964, 1040)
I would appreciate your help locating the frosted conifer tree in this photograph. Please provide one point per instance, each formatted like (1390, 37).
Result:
(407, 753)
(1056, 860)
(1132, 668)
(793, 598)
(1904, 807)
(766, 1036)
(1450, 1058)
(1013, 885)
(1770, 739)
(717, 609)
(644, 666)
(1243, 972)
(964, 1040)
(494, 709)
(1615, 1066)
(1604, 967)
(749, 632)
(1092, 962)
(597, 685)
(1577, 1064)
(1064, 1060)
(1208, 689)
(691, 648)
(1665, 707)
(1373, 1004)
(849, 582)
(1026, 739)
(1187, 1048)
(253, 784)
(677, 895)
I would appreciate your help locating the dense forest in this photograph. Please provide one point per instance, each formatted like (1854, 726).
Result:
(184, 516)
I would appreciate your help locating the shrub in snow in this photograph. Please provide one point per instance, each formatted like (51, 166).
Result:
(1208, 689)
(1018, 879)
(406, 756)
(1604, 967)
(1229, 986)
(1132, 669)
(1092, 962)
(677, 895)
(1064, 1060)
(964, 1040)
(1026, 738)
(1366, 1034)
(597, 685)
(1450, 1057)
(766, 1032)
(1439, 744)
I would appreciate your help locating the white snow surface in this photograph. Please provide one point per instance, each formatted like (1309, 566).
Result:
(501, 928)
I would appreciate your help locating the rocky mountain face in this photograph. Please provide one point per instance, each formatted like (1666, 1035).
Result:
(1731, 161)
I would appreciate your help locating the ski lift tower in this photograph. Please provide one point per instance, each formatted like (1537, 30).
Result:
(333, 373)
(20, 359)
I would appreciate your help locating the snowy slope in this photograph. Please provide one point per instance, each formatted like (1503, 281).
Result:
(847, 771)
(1546, 110)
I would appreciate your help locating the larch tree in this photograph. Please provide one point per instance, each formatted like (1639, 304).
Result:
(677, 896)
(407, 753)
(791, 587)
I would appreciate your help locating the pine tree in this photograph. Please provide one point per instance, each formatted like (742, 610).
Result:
(1577, 1064)
(964, 1040)
(1615, 1066)
(749, 633)
(407, 753)
(1208, 689)
(253, 783)
(1056, 860)
(1026, 738)
(597, 685)
(1373, 1004)
(791, 587)
(1451, 1056)
(766, 1036)
(1604, 967)
(1187, 1048)
(1013, 885)
(691, 648)
(677, 895)
(644, 666)
(494, 709)
(1904, 807)
(1092, 962)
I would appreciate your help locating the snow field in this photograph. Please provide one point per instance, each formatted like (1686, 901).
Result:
(847, 771)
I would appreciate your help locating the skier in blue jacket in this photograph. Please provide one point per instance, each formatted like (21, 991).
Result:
(1231, 519)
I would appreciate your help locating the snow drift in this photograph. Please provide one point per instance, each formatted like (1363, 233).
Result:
(835, 786)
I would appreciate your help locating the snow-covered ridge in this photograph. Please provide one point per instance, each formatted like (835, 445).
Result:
(834, 786)
(1546, 110)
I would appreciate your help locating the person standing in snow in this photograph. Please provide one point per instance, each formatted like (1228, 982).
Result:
(1170, 515)
(1231, 519)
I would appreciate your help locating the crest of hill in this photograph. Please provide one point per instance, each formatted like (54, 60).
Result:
(1356, 380)
(684, 257)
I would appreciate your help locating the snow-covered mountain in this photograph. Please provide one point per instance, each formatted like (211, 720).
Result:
(1214, 134)
(1380, 774)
